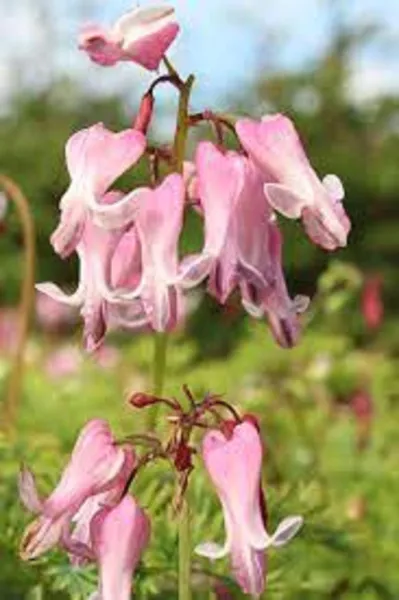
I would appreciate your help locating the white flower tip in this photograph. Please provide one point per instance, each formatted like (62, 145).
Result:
(286, 530)
(3, 205)
(211, 550)
(334, 187)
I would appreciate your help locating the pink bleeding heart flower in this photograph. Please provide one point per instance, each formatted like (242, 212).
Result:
(95, 157)
(119, 535)
(104, 261)
(234, 466)
(98, 469)
(242, 243)
(292, 186)
(142, 35)
(158, 222)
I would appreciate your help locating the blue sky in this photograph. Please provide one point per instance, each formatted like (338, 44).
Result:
(225, 42)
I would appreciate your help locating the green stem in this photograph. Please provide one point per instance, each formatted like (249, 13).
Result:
(184, 515)
(184, 552)
(26, 301)
(183, 124)
(160, 348)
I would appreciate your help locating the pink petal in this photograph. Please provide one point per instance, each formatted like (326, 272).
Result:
(100, 46)
(292, 186)
(95, 466)
(96, 156)
(119, 536)
(40, 536)
(28, 492)
(146, 34)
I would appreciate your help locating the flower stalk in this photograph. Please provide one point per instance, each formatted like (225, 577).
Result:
(10, 408)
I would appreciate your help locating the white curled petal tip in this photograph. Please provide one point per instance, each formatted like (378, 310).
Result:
(301, 304)
(212, 550)
(334, 187)
(117, 215)
(284, 200)
(286, 530)
(54, 292)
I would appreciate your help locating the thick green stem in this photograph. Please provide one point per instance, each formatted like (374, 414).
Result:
(26, 301)
(184, 515)
(184, 552)
(183, 124)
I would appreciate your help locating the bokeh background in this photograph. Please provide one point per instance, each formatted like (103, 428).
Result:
(329, 408)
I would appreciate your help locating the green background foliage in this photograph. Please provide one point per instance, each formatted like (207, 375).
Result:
(321, 461)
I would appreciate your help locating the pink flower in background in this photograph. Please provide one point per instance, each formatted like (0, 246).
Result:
(119, 535)
(361, 404)
(64, 362)
(157, 227)
(52, 315)
(242, 242)
(372, 302)
(142, 35)
(234, 465)
(291, 185)
(97, 472)
(95, 157)
(107, 357)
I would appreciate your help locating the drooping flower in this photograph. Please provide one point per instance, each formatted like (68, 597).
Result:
(158, 222)
(242, 242)
(234, 466)
(142, 35)
(95, 157)
(372, 304)
(119, 536)
(104, 260)
(97, 473)
(291, 184)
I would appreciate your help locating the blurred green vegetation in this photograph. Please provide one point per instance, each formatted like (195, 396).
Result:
(323, 459)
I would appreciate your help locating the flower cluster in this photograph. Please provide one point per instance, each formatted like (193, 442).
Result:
(131, 274)
(92, 516)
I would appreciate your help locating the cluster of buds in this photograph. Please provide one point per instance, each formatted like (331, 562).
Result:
(131, 275)
(93, 517)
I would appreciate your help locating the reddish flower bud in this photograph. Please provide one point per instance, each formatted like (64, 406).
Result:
(144, 115)
(222, 592)
(253, 420)
(372, 304)
(227, 428)
(140, 400)
(183, 455)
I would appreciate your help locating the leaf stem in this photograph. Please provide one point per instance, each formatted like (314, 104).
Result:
(26, 300)
(184, 552)
(160, 355)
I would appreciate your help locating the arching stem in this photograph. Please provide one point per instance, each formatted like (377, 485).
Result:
(11, 405)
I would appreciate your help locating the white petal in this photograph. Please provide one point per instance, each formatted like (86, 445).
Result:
(286, 530)
(284, 200)
(212, 550)
(334, 187)
(54, 292)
